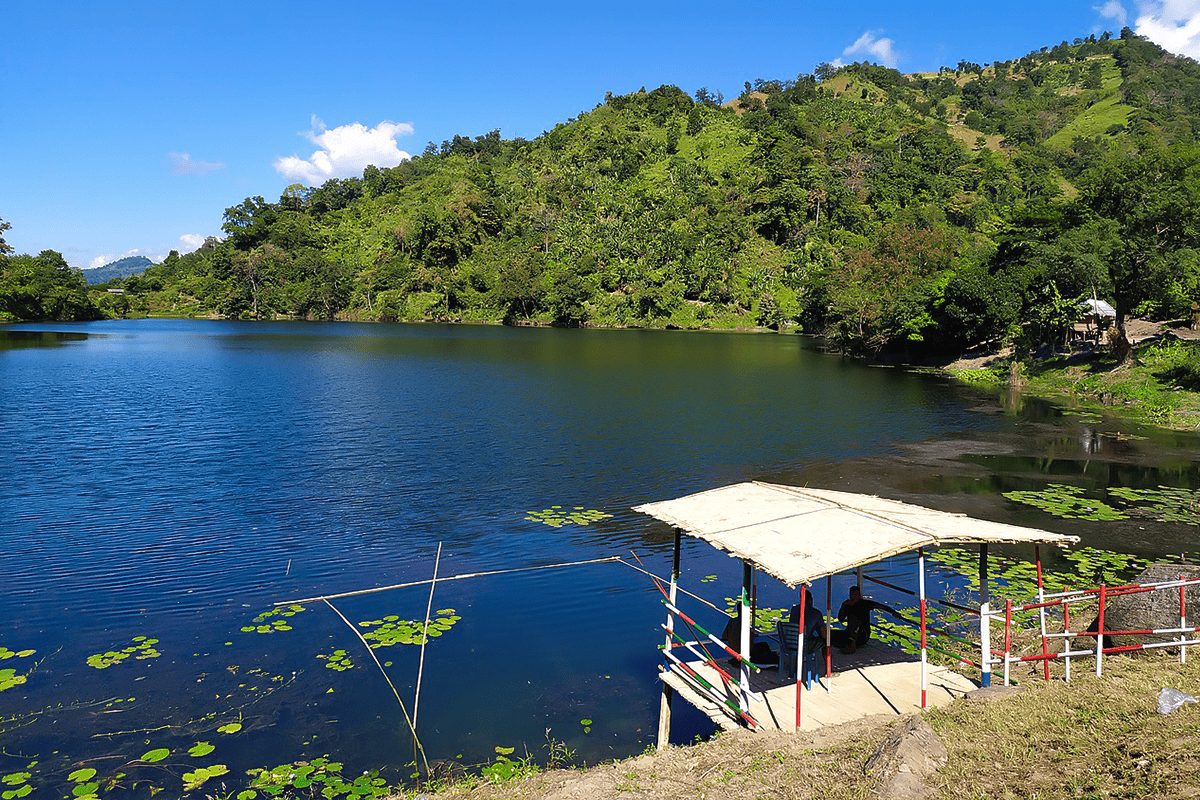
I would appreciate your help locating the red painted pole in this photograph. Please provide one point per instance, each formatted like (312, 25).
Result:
(924, 652)
(1067, 641)
(1182, 622)
(800, 651)
(1100, 634)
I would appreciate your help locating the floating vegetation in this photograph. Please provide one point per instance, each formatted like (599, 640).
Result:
(587, 725)
(274, 620)
(338, 660)
(198, 777)
(9, 677)
(557, 516)
(391, 630)
(505, 769)
(85, 787)
(155, 755)
(765, 619)
(142, 649)
(1067, 502)
(708, 579)
(1165, 504)
(200, 749)
(15, 785)
(319, 777)
(6, 654)
(230, 728)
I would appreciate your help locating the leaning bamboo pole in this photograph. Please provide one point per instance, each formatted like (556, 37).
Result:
(437, 560)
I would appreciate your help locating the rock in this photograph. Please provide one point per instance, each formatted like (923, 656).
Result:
(1159, 609)
(990, 693)
(903, 763)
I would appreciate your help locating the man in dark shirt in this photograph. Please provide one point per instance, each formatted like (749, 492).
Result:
(856, 614)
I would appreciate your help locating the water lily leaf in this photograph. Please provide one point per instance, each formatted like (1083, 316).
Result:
(230, 727)
(156, 755)
(82, 775)
(200, 749)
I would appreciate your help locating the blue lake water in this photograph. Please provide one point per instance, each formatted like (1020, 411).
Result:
(172, 479)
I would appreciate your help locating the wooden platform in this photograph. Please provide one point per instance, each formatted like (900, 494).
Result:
(875, 680)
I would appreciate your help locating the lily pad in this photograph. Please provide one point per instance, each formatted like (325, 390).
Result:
(230, 728)
(142, 649)
(200, 749)
(556, 517)
(1068, 502)
(156, 755)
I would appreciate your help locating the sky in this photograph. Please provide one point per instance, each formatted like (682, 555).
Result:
(128, 127)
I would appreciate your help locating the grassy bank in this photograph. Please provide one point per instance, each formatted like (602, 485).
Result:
(1161, 388)
(1093, 738)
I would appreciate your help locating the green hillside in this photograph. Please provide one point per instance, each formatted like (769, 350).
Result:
(885, 210)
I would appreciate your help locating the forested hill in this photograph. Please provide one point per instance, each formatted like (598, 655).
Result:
(938, 210)
(121, 268)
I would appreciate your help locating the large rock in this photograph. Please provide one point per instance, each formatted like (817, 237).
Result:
(904, 762)
(1158, 609)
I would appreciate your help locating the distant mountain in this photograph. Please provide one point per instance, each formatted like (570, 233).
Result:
(121, 268)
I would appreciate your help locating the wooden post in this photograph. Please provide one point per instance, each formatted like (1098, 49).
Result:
(747, 624)
(985, 621)
(860, 579)
(800, 649)
(664, 702)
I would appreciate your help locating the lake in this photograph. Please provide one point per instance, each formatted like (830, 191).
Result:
(172, 479)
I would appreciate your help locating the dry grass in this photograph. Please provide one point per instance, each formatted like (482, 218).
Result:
(1092, 738)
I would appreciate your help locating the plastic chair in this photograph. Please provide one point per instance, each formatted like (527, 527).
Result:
(789, 637)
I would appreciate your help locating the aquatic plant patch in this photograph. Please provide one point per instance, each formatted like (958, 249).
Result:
(9, 677)
(319, 777)
(765, 618)
(274, 620)
(557, 516)
(338, 660)
(1165, 504)
(392, 630)
(16, 785)
(142, 649)
(198, 777)
(1068, 502)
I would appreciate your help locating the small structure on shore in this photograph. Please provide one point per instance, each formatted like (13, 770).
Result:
(799, 536)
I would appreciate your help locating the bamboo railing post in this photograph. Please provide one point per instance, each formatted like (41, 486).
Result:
(746, 625)
(800, 649)
(664, 702)
(924, 652)
(1100, 633)
(1041, 596)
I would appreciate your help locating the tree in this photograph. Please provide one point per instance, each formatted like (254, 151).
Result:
(1150, 192)
(5, 247)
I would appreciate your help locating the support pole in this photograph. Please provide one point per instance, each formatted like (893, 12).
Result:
(800, 649)
(828, 634)
(1041, 596)
(747, 624)
(1066, 641)
(664, 703)
(1100, 633)
(860, 579)
(1007, 636)
(985, 621)
(921, 595)
(1182, 622)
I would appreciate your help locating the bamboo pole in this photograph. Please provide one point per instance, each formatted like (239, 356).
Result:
(411, 726)
(1067, 641)
(1182, 622)
(800, 650)
(985, 621)
(1041, 596)
(437, 560)
(1100, 634)
(1007, 637)
(746, 625)
(664, 701)
(828, 634)
(924, 651)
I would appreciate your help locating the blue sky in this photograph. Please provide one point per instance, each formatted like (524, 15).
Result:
(125, 126)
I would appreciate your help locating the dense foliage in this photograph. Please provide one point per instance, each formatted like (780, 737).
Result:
(41, 287)
(939, 210)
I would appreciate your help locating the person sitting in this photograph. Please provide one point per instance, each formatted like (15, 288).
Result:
(814, 624)
(855, 613)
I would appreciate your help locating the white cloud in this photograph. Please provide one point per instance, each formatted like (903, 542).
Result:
(873, 48)
(189, 242)
(345, 151)
(1114, 10)
(184, 164)
(1172, 24)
